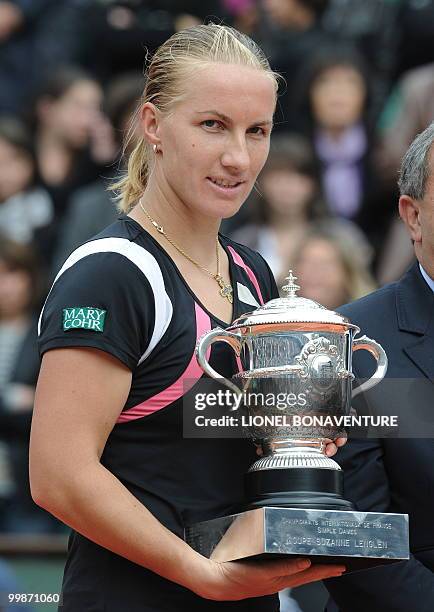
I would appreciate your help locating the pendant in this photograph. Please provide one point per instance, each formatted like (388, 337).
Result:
(225, 289)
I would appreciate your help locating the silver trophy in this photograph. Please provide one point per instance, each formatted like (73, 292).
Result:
(299, 354)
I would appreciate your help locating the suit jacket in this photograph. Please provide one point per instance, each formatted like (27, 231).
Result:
(395, 474)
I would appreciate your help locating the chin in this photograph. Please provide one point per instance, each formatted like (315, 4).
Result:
(226, 212)
(218, 209)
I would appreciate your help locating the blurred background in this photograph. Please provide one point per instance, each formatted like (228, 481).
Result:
(359, 86)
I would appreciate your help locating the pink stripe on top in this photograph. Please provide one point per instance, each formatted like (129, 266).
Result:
(240, 262)
(176, 390)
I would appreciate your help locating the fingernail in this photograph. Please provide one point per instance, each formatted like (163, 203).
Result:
(303, 564)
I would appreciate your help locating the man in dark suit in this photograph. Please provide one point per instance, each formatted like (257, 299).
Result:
(397, 474)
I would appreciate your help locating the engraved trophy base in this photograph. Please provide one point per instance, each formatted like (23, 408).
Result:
(300, 511)
(359, 540)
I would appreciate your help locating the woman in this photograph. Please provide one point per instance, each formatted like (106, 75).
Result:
(335, 100)
(74, 140)
(118, 333)
(26, 209)
(333, 266)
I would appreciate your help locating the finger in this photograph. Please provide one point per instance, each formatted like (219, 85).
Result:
(283, 567)
(331, 449)
(341, 441)
(313, 574)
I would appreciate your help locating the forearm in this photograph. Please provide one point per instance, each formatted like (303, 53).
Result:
(97, 505)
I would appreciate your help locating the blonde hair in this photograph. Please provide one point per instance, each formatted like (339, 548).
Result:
(169, 69)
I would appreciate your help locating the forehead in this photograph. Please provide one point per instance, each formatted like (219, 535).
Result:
(83, 90)
(340, 71)
(240, 92)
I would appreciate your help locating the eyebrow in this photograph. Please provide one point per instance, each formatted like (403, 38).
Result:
(229, 120)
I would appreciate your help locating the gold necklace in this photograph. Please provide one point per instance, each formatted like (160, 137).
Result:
(226, 290)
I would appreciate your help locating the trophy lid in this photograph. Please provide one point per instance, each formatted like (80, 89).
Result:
(291, 309)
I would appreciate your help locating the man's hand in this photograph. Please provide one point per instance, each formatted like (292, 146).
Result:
(233, 581)
(332, 446)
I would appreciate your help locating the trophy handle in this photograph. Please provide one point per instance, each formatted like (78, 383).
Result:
(380, 356)
(218, 335)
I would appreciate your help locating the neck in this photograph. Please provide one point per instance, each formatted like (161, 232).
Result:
(426, 262)
(286, 222)
(189, 230)
(334, 133)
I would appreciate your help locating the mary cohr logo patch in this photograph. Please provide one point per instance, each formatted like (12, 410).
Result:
(83, 318)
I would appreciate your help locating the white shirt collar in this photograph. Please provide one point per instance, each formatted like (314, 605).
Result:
(428, 279)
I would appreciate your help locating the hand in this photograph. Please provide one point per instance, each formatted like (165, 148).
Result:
(233, 581)
(102, 139)
(333, 445)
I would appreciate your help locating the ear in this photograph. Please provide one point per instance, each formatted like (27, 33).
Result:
(409, 211)
(150, 121)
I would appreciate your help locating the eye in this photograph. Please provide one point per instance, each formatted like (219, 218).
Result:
(212, 124)
(257, 130)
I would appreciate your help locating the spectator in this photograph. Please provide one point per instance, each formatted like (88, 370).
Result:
(91, 208)
(371, 26)
(74, 141)
(332, 268)
(20, 290)
(334, 104)
(26, 209)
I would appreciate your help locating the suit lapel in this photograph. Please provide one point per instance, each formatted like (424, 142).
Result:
(422, 355)
(415, 310)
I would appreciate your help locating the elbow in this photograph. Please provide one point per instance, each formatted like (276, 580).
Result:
(39, 496)
(40, 491)
(45, 489)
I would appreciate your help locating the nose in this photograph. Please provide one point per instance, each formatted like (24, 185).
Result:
(236, 154)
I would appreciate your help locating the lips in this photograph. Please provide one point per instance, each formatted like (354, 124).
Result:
(224, 183)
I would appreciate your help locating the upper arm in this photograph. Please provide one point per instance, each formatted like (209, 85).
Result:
(79, 396)
(96, 324)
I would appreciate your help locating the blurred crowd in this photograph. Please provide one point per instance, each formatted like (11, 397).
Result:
(359, 85)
